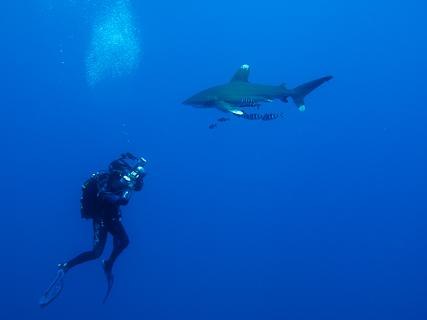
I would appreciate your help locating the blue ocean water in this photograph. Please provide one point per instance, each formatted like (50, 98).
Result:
(319, 215)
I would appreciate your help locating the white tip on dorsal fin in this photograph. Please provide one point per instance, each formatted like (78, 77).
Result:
(242, 74)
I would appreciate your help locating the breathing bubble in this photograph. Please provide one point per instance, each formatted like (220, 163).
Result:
(114, 49)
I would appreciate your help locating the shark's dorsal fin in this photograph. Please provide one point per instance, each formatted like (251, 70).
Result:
(242, 74)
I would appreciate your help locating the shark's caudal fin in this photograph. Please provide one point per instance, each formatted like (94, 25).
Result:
(301, 91)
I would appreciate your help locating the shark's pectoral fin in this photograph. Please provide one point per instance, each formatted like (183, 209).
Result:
(237, 112)
(227, 107)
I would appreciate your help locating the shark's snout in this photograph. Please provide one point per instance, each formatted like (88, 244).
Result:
(193, 100)
(196, 100)
(187, 102)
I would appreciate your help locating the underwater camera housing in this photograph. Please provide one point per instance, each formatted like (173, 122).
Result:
(137, 173)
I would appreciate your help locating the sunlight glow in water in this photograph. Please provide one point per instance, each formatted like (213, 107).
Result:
(114, 49)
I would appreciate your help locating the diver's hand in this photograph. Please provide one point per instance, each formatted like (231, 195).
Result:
(125, 197)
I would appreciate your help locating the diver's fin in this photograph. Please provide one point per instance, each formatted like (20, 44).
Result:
(110, 280)
(226, 107)
(301, 91)
(53, 291)
(242, 74)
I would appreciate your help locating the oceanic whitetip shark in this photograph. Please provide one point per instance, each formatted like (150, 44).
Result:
(240, 93)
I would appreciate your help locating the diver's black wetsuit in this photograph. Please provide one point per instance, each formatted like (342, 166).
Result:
(111, 196)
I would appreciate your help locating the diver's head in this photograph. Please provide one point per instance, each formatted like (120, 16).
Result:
(119, 167)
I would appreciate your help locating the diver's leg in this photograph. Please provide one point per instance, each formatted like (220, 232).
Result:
(99, 239)
(120, 242)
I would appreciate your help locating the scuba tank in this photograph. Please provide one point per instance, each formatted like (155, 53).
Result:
(89, 204)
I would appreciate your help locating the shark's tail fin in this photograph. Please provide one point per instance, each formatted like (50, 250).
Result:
(301, 91)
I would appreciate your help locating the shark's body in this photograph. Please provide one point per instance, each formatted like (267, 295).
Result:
(240, 93)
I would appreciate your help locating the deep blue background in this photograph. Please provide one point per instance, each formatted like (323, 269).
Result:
(320, 215)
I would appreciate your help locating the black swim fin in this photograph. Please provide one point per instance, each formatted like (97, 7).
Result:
(53, 291)
(110, 281)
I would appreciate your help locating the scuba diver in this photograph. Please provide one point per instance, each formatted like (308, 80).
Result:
(102, 196)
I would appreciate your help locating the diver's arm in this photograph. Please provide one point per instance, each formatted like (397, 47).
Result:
(121, 198)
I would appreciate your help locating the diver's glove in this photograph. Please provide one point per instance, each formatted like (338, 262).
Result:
(125, 197)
